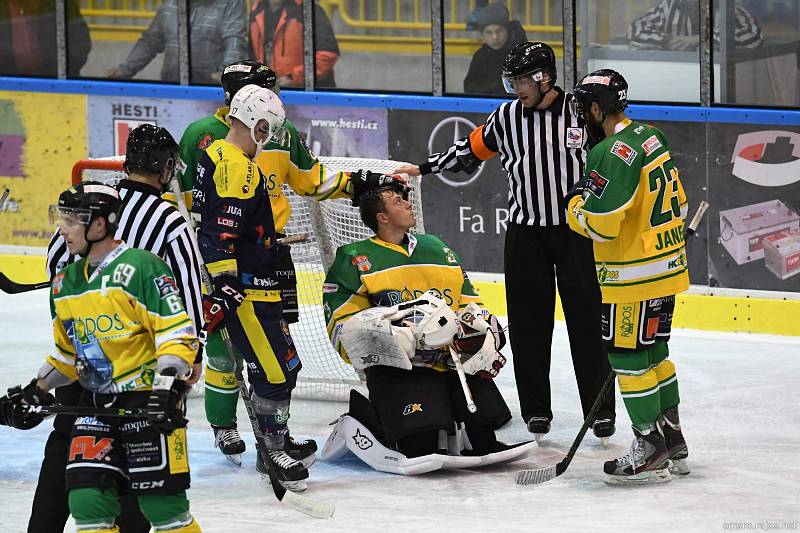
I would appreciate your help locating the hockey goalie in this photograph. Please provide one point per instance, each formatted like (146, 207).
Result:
(401, 309)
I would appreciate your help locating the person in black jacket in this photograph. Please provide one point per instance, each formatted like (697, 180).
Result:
(499, 35)
(28, 38)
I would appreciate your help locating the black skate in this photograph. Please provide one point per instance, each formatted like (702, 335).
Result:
(302, 451)
(670, 427)
(647, 462)
(229, 443)
(291, 474)
(603, 428)
(539, 426)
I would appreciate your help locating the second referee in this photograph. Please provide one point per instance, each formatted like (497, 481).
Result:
(541, 147)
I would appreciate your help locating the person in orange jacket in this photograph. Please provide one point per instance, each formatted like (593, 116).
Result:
(276, 38)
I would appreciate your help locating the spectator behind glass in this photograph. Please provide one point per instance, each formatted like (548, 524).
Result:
(28, 38)
(675, 25)
(499, 35)
(276, 38)
(217, 37)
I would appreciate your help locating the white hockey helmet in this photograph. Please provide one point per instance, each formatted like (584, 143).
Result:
(262, 111)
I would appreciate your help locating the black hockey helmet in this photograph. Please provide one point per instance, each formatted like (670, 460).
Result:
(247, 72)
(607, 87)
(529, 58)
(87, 201)
(149, 149)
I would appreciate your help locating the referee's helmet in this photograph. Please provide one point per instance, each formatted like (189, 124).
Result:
(529, 59)
(150, 149)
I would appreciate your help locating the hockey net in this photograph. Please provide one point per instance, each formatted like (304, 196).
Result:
(328, 224)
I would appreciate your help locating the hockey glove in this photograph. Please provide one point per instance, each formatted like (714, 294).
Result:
(166, 405)
(14, 408)
(363, 180)
(576, 190)
(227, 296)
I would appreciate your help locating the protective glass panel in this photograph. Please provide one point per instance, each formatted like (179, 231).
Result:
(653, 43)
(382, 45)
(217, 37)
(480, 33)
(758, 45)
(28, 38)
(130, 39)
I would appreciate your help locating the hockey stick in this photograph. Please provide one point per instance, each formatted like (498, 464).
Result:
(540, 475)
(307, 506)
(12, 287)
(85, 410)
(4, 198)
(698, 216)
(471, 407)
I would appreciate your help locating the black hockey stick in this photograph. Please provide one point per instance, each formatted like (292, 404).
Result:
(85, 410)
(540, 475)
(307, 506)
(12, 287)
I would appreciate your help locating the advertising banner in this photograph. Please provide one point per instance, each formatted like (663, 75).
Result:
(41, 136)
(469, 212)
(342, 131)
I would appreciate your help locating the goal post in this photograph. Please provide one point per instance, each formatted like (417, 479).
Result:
(329, 225)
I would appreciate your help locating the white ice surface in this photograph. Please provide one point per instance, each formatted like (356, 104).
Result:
(739, 411)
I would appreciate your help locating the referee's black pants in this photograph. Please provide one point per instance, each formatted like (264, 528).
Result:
(536, 258)
(50, 510)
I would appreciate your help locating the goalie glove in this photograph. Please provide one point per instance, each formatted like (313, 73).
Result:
(479, 342)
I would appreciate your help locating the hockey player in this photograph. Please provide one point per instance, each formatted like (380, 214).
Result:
(121, 330)
(632, 205)
(394, 304)
(283, 160)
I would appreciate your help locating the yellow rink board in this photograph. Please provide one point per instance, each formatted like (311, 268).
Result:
(695, 311)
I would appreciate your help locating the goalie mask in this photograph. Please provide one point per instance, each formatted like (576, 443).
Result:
(262, 111)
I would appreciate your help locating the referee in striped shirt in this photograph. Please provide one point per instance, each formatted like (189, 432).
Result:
(149, 223)
(541, 147)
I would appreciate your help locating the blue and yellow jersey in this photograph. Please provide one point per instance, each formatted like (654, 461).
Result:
(634, 210)
(111, 324)
(289, 161)
(374, 272)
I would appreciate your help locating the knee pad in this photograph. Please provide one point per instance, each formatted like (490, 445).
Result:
(272, 416)
(167, 512)
(94, 510)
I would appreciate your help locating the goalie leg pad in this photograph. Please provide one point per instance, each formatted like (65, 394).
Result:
(492, 409)
(409, 402)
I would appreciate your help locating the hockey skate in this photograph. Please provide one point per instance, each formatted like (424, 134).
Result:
(539, 426)
(603, 428)
(670, 426)
(302, 451)
(647, 462)
(229, 443)
(291, 474)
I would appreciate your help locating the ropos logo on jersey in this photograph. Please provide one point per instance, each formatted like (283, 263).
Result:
(769, 158)
(444, 134)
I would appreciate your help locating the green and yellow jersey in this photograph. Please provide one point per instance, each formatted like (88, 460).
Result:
(634, 210)
(289, 161)
(374, 272)
(112, 323)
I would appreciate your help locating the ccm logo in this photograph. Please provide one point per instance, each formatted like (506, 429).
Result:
(142, 485)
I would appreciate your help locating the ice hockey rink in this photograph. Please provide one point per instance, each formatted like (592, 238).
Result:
(739, 413)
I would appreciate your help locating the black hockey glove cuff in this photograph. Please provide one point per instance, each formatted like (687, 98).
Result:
(363, 180)
(15, 407)
(227, 296)
(576, 190)
(166, 405)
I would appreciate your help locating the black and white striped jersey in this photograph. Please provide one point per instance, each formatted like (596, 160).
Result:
(149, 223)
(541, 151)
(680, 18)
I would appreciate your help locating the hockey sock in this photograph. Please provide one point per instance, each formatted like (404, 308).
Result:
(167, 512)
(638, 385)
(667, 384)
(94, 509)
(222, 391)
